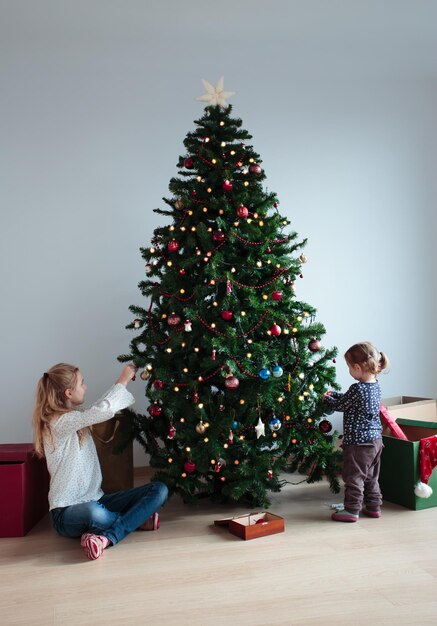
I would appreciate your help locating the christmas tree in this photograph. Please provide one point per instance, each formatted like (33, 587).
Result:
(233, 364)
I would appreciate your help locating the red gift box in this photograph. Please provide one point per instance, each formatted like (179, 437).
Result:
(24, 487)
(253, 525)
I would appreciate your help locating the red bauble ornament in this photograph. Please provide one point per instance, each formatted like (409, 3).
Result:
(314, 345)
(173, 319)
(158, 384)
(227, 315)
(276, 330)
(254, 168)
(173, 246)
(242, 211)
(227, 185)
(155, 410)
(275, 204)
(325, 426)
(232, 382)
(189, 164)
(182, 272)
(277, 295)
(189, 467)
(218, 235)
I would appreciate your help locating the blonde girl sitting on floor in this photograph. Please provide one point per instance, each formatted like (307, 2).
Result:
(62, 435)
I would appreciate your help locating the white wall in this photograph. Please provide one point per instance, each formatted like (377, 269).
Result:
(96, 99)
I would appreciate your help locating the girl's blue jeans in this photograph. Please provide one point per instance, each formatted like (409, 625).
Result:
(114, 516)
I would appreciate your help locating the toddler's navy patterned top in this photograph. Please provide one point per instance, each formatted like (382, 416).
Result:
(360, 405)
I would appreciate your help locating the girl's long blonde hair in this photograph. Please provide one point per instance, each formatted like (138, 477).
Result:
(366, 355)
(50, 401)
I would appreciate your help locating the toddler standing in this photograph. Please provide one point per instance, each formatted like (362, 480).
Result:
(362, 432)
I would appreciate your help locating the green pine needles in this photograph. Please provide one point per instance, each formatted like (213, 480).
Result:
(232, 362)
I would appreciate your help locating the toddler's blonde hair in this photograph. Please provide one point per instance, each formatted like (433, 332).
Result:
(366, 355)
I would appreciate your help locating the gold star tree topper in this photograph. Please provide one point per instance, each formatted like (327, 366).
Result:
(215, 96)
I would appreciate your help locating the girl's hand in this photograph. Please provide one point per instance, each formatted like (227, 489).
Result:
(127, 374)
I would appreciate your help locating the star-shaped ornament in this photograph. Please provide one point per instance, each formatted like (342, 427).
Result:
(215, 96)
(260, 429)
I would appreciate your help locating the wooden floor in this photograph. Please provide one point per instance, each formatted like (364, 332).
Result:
(372, 573)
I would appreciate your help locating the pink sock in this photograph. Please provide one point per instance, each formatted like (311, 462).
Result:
(94, 545)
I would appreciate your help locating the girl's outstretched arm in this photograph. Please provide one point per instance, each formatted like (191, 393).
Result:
(116, 399)
(127, 374)
(341, 401)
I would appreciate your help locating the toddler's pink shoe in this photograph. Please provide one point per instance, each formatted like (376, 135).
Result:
(344, 516)
(93, 545)
(370, 513)
(152, 523)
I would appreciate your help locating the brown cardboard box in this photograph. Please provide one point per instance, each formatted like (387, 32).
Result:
(253, 525)
(416, 416)
(115, 455)
(397, 402)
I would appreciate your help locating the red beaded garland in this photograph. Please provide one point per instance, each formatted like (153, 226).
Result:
(260, 243)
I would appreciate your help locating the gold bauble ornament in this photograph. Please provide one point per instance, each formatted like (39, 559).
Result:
(145, 375)
(200, 428)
